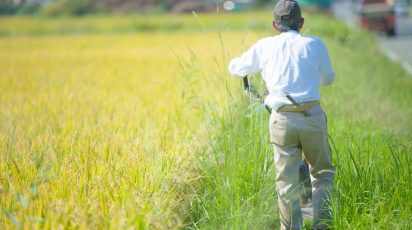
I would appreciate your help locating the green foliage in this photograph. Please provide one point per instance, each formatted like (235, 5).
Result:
(71, 7)
(29, 9)
(160, 8)
(238, 189)
(369, 136)
(265, 2)
(99, 24)
(7, 8)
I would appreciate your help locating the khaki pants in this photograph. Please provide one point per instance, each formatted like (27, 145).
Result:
(290, 133)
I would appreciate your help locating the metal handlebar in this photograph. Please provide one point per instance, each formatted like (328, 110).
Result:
(246, 83)
(251, 92)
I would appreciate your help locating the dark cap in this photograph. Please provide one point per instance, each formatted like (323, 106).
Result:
(287, 11)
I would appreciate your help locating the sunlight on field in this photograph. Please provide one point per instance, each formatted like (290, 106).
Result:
(136, 123)
(99, 130)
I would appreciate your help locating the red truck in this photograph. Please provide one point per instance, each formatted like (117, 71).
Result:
(377, 15)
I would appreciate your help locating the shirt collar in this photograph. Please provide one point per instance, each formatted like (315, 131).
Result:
(291, 32)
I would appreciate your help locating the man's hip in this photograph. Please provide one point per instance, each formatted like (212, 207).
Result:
(299, 108)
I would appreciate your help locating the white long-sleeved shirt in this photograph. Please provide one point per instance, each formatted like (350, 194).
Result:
(290, 64)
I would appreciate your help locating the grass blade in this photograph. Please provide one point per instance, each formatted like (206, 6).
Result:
(12, 218)
(22, 200)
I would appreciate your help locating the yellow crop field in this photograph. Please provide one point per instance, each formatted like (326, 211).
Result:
(133, 122)
(102, 130)
(93, 127)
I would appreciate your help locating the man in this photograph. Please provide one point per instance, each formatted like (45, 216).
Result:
(294, 67)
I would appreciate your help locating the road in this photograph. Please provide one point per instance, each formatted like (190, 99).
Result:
(398, 48)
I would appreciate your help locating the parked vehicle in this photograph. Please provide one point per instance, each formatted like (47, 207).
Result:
(377, 15)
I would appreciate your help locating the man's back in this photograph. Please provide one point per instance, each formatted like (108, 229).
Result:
(290, 63)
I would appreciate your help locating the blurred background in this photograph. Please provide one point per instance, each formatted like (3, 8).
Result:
(81, 7)
(377, 15)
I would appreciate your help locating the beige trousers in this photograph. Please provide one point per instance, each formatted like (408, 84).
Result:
(291, 133)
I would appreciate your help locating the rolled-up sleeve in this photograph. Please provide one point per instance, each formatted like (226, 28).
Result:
(247, 63)
(327, 74)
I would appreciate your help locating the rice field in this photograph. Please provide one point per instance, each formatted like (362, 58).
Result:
(133, 122)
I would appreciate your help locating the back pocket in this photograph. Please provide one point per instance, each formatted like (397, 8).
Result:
(281, 133)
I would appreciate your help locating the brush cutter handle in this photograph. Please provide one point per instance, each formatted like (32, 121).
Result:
(246, 83)
(252, 92)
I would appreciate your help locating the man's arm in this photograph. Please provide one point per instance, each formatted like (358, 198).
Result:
(246, 64)
(327, 75)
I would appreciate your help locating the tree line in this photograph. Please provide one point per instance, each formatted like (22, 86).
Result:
(82, 7)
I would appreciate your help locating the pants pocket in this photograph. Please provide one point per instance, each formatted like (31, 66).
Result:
(280, 132)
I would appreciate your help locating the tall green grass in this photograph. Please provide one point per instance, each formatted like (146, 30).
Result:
(370, 135)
